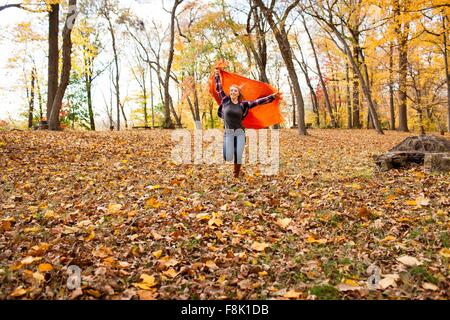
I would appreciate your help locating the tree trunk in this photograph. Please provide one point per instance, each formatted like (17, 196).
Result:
(88, 82)
(152, 99)
(167, 99)
(117, 75)
(391, 86)
(356, 103)
(347, 100)
(364, 82)
(322, 82)
(53, 56)
(31, 100)
(66, 67)
(447, 71)
(402, 38)
(293, 103)
(38, 89)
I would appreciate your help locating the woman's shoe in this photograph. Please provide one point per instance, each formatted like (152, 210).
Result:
(237, 168)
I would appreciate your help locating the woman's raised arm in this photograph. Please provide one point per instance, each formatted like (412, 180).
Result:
(260, 101)
(218, 83)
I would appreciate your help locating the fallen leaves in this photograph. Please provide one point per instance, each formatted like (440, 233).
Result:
(260, 246)
(389, 280)
(312, 239)
(45, 267)
(409, 261)
(139, 226)
(147, 282)
(445, 252)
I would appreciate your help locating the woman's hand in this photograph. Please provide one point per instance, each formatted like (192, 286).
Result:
(276, 94)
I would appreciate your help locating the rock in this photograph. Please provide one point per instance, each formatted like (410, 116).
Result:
(432, 151)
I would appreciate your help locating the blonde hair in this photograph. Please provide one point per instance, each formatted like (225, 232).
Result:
(239, 89)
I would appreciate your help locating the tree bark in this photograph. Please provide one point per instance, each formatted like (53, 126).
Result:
(356, 102)
(347, 99)
(54, 123)
(88, 82)
(31, 100)
(402, 39)
(53, 56)
(391, 87)
(167, 99)
(447, 71)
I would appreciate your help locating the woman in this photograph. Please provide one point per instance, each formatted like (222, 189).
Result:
(233, 110)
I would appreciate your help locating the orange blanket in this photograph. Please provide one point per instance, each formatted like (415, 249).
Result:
(258, 117)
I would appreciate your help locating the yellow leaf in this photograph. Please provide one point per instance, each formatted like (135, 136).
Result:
(445, 252)
(45, 267)
(351, 282)
(293, 194)
(154, 187)
(157, 254)
(259, 246)
(283, 223)
(90, 236)
(263, 273)
(147, 282)
(152, 203)
(292, 294)
(30, 260)
(168, 261)
(391, 198)
(411, 202)
(215, 221)
(18, 292)
(39, 249)
(49, 214)
(38, 276)
(211, 264)
(312, 239)
(32, 229)
(170, 273)
(356, 186)
(114, 208)
(203, 216)
(388, 238)
(248, 204)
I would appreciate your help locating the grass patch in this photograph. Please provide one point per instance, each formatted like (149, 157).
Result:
(325, 292)
(421, 273)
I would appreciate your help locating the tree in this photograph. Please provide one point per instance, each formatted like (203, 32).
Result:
(54, 120)
(278, 26)
(325, 14)
(53, 56)
(319, 72)
(402, 31)
(167, 120)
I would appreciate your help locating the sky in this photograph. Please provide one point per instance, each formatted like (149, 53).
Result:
(13, 99)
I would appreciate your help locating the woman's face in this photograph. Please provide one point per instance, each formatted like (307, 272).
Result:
(234, 92)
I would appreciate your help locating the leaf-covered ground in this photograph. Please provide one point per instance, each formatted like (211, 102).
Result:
(140, 226)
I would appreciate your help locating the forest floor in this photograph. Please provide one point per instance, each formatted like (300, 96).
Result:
(140, 226)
